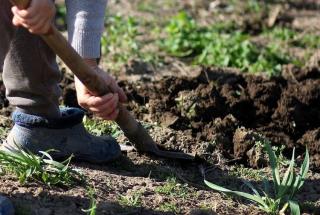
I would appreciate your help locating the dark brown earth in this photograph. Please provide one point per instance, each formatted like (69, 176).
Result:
(211, 108)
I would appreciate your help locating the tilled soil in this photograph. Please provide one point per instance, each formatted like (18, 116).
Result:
(232, 111)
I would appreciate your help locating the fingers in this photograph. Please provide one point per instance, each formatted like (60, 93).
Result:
(105, 107)
(37, 18)
(111, 116)
(115, 88)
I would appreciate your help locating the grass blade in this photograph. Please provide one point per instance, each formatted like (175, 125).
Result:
(288, 178)
(274, 166)
(248, 196)
(304, 169)
(294, 207)
(248, 184)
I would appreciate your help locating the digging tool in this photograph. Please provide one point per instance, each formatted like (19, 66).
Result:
(132, 129)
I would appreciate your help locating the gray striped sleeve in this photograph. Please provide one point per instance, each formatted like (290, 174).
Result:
(85, 20)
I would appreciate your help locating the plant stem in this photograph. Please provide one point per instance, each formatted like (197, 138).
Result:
(281, 212)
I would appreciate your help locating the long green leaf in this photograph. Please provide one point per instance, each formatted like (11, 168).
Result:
(266, 186)
(251, 187)
(290, 168)
(288, 180)
(248, 196)
(274, 166)
(294, 207)
(304, 168)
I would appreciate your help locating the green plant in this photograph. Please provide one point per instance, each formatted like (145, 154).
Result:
(217, 46)
(284, 34)
(93, 202)
(248, 173)
(294, 38)
(133, 200)
(169, 207)
(61, 17)
(254, 6)
(28, 166)
(101, 127)
(172, 188)
(284, 191)
(119, 41)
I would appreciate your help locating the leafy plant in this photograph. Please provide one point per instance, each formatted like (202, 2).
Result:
(169, 207)
(28, 166)
(172, 188)
(133, 200)
(93, 202)
(120, 42)
(284, 190)
(217, 46)
(295, 38)
(101, 127)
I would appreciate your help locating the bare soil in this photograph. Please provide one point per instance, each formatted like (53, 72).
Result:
(213, 106)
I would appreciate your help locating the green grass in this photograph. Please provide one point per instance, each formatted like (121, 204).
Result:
(120, 42)
(173, 189)
(247, 173)
(293, 38)
(30, 167)
(169, 207)
(132, 200)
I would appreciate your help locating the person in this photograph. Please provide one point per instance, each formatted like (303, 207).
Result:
(31, 76)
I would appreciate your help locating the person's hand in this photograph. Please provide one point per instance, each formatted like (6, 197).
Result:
(37, 18)
(106, 106)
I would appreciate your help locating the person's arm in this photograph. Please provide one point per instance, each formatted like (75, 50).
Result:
(85, 21)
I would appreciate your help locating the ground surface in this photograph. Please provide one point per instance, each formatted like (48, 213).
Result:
(215, 113)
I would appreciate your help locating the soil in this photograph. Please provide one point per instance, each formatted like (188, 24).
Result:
(213, 106)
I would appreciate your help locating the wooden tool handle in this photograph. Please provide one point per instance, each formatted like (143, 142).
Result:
(132, 129)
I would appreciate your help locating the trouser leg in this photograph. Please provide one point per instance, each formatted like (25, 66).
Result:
(6, 30)
(30, 72)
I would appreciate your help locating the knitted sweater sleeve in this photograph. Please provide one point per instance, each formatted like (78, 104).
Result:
(85, 20)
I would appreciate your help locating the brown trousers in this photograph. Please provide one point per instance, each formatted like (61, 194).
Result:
(30, 72)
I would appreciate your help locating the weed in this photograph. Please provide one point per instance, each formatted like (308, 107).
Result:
(284, 191)
(93, 202)
(246, 173)
(120, 42)
(61, 17)
(294, 38)
(132, 200)
(172, 188)
(25, 165)
(146, 6)
(308, 41)
(253, 6)
(169, 207)
(284, 34)
(3, 132)
(215, 46)
(101, 127)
